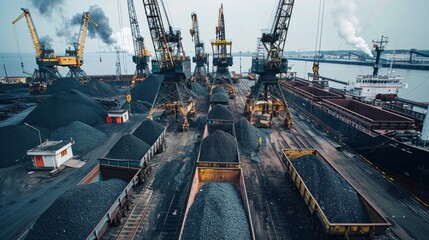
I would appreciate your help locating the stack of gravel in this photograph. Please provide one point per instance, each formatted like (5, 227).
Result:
(86, 137)
(217, 213)
(15, 141)
(219, 98)
(128, 147)
(198, 89)
(247, 136)
(337, 198)
(219, 147)
(63, 85)
(97, 88)
(220, 112)
(62, 109)
(77, 211)
(149, 131)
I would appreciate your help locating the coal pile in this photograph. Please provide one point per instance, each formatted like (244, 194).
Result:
(198, 89)
(224, 127)
(217, 213)
(247, 136)
(97, 88)
(128, 147)
(219, 98)
(86, 137)
(63, 85)
(219, 147)
(77, 211)
(16, 140)
(337, 198)
(149, 131)
(146, 90)
(220, 112)
(62, 109)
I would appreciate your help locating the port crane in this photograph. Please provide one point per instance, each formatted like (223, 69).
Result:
(141, 54)
(173, 94)
(267, 99)
(74, 57)
(46, 59)
(222, 57)
(201, 57)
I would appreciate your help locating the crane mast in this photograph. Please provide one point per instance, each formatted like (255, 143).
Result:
(201, 57)
(141, 54)
(173, 95)
(45, 57)
(222, 57)
(267, 99)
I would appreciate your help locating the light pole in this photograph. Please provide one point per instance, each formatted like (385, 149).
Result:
(240, 64)
(40, 138)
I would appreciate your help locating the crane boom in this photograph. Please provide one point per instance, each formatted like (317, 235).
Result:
(80, 45)
(33, 32)
(201, 57)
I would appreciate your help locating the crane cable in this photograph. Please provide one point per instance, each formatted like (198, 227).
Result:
(122, 39)
(318, 45)
(18, 46)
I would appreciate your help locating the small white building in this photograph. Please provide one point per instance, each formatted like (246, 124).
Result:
(51, 154)
(13, 80)
(117, 116)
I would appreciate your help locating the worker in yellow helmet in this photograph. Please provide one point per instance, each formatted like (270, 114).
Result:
(259, 143)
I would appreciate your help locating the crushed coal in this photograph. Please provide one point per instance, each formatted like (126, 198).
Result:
(86, 137)
(217, 213)
(219, 90)
(247, 136)
(128, 147)
(16, 140)
(143, 93)
(97, 88)
(220, 112)
(219, 98)
(337, 198)
(63, 85)
(149, 131)
(219, 147)
(63, 108)
(77, 211)
(199, 89)
(228, 127)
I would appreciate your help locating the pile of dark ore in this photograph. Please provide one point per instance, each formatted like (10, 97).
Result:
(219, 98)
(198, 89)
(86, 137)
(219, 147)
(77, 211)
(337, 198)
(219, 90)
(220, 112)
(128, 147)
(143, 93)
(63, 108)
(97, 88)
(247, 136)
(149, 131)
(217, 213)
(15, 141)
(63, 85)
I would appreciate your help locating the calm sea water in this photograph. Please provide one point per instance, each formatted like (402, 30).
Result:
(105, 63)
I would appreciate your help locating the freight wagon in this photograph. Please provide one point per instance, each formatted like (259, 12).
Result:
(377, 224)
(205, 175)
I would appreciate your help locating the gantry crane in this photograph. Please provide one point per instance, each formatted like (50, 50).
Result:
(222, 57)
(45, 57)
(267, 99)
(141, 54)
(173, 94)
(74, 57)
(201, 57)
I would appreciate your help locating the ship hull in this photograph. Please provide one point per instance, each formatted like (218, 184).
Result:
(403, 162)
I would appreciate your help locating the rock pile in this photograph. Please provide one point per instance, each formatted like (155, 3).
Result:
(247, 136)
(338, 199)
(128, 147)
(77, 211)
(217, 213)
(219, 147)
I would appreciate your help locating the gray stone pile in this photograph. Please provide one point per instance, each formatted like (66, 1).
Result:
(77, 211)
(219, 147)
(337, 198)
(128, 147)
(217, 213)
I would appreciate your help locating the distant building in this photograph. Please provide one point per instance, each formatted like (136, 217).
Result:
(13, 80)
(51, 154)
(117, 116)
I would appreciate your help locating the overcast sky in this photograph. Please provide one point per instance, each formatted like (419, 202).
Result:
(358, 21)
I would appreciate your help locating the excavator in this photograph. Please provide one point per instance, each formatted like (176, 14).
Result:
(222, 58)
(46, 59)
(266, 98)
(173, 94)
(74, 57)
(201, 57)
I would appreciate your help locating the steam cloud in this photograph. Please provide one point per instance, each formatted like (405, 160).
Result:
(104, 31)
(348, 25)
(47, 41)
(46, 7)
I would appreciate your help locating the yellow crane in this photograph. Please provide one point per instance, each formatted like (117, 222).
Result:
(45, 57)
(74, 57)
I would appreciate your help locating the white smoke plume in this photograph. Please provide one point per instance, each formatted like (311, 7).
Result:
(348, 24)
(127, 43)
